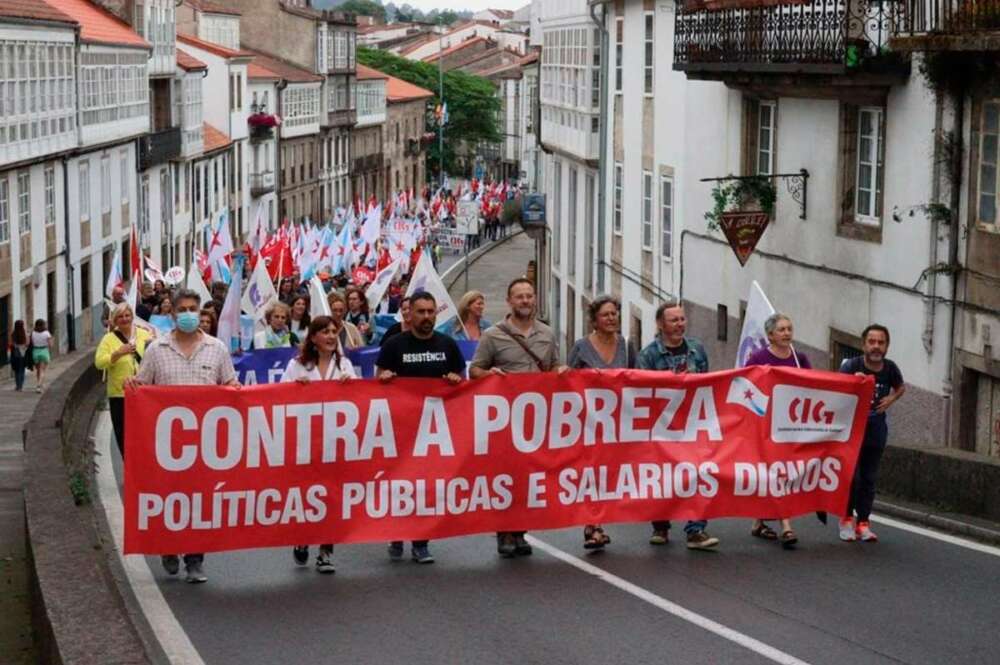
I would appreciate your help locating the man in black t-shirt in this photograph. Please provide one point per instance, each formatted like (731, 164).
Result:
(889, 387)
(423, 353)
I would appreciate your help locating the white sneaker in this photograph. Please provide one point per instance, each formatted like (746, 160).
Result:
(865, 534)
(847, 531)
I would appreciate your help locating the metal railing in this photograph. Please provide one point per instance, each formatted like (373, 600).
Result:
(948, 17)
(159, 147)
(823, 33)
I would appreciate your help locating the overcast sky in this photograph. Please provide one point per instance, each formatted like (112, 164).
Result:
(474, 5)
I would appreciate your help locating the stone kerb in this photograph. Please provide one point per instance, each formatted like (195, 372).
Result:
(78, 614)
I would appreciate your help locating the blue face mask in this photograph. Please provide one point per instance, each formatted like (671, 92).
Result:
(188, 321)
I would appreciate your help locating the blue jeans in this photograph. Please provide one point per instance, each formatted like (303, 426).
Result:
(866, 472)
(692, 526)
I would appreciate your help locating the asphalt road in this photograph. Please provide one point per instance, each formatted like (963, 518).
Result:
(908, 599)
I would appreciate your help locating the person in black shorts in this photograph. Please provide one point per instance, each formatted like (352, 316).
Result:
(419, 352)
(889, 387)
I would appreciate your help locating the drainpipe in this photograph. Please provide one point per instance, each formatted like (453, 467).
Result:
(279, 109)
(603, 142)
(957, 149)
(930, 306)
(70, 322)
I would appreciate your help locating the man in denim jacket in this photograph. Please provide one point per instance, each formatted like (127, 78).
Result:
(671, 351)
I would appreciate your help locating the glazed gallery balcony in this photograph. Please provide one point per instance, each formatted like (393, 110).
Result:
(936, 25)
(716, 39)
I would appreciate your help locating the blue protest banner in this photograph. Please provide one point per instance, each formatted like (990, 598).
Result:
(163, 323)
(267, 365)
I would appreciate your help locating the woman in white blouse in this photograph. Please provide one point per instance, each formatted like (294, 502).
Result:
(319, 359)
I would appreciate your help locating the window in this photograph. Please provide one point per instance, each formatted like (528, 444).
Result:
(647, 210)
(572, 222)
(666, 217)
(144, 205)
(4, 210)
(617, 225)
(647, 66)
(556, 211)
(84, 191)
(765, 138)
(24, 201)
(619, 46)
(50, 195)
(869, 197)
(106, 184)
(588, 234)
(37, 92)
(989, 157)
(113, 87)
(301, 106)
(123, 167)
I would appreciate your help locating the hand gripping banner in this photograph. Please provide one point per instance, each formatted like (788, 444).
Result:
(212, 468)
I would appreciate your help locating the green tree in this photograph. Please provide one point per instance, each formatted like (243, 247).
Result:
(364, 8)
(473, 106)
(448, 17)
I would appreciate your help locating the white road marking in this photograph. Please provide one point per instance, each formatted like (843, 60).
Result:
(936, 535)
(743, 640)
(166, 628)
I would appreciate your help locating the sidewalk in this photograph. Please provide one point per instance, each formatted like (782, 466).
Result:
(16, 647)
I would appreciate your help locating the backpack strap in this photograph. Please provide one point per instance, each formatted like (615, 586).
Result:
(523, 344)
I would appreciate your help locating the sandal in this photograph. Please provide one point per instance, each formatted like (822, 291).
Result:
(788, 539)
(764, 531)
(594, 538)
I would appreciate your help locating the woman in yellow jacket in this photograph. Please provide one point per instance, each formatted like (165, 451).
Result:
(119, 355)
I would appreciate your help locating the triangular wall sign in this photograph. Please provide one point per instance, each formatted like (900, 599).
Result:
(743, 230)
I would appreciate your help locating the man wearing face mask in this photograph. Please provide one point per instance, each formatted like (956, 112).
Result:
(186, 357)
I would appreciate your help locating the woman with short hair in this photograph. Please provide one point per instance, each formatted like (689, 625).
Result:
(604, 348)
(779, 352)
(118, 356)
(275, 334)
(320, 359)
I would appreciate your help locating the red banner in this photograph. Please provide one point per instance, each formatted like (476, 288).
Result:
(211, 468)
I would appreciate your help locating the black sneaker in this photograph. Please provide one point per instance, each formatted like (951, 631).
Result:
(195, 574)
(396, 550)
(171, 563)
(324, 563)
(506, 547)
(421, 554)
(521, 546)
(301, 554)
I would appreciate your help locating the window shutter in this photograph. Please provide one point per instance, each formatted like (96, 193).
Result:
(848, 160)
(751, 132)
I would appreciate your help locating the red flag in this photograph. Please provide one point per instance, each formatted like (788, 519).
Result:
(135, 256)
(278, 256)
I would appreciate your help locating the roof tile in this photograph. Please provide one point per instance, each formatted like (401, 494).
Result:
(214, 139)
(367, 74)
(266, 66)
(97, 25)
(33, 9)
(214, 49)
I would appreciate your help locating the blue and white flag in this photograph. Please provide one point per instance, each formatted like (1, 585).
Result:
(743, 392)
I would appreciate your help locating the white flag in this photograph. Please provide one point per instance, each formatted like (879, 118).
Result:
(753, 336)
(229, 319)
(373, 225)
(425, 278)
(197, 284)
(260, 293)
(380, 284)
(745, 393)
(318, 304)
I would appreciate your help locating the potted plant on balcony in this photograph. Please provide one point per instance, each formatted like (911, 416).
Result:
(262, 126)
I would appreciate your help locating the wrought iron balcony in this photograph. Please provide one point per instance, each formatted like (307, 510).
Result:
(812, 36)
(341, 118)
(366, 163)
(261, 183)
(947, 24)
(159, 147)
